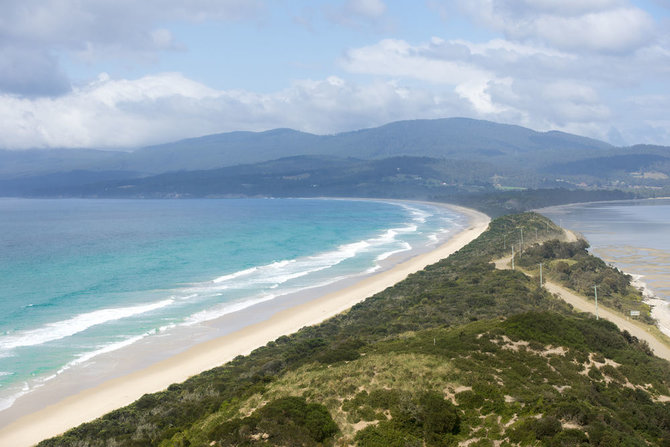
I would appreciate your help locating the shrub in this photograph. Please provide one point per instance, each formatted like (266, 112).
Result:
(386, 434)
(289, 421)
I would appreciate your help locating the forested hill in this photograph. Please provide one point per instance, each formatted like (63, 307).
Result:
(457, 353)
(454, 138)
(411, 159)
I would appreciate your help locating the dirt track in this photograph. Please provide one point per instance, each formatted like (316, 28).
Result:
(583, 304)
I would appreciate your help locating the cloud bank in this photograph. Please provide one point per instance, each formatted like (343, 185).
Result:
(153, 109)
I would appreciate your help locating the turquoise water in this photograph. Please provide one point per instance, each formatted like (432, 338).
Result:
(633, 235)
(79, 278)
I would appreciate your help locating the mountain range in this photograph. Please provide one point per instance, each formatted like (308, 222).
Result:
(454, 151)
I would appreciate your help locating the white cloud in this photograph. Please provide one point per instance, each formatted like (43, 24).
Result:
(129, 113)
(618, 30)
(124, 113)
(609, 26)
(531, 85)
(105, 113)
(397, 58)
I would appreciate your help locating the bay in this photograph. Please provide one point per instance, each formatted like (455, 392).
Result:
(81, 278)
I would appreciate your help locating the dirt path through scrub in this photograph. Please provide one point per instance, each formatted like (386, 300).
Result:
(583, 304)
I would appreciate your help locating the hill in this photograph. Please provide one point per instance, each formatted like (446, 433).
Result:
(456, 154)
(456, 138)
(457, 353)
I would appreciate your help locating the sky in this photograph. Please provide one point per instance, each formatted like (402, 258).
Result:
(122, 74)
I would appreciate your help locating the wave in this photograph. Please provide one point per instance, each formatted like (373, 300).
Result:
(235, 275)
(212, 314)
(279, 272)
(405, 247)
(220, 311)
(7, 402)
(418, 215)
(61, 329)
(111, 347)
(439, 235)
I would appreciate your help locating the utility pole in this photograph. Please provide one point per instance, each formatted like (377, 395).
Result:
(595, 290)
(540, 274)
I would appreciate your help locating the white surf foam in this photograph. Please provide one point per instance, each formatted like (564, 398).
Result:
(405, 247)
(220, 311)
(418, 215)
(61, 329)
(235, 275)
(639, 284)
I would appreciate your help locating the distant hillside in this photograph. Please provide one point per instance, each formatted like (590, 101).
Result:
(304, 176)
(457, 153)
(226, 149)
(601, 166)
(29, 163)
(456, 138)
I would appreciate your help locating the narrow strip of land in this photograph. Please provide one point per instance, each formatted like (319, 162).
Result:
(583, 304)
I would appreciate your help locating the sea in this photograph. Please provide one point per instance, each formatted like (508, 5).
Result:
(80, 279)
(632, 235)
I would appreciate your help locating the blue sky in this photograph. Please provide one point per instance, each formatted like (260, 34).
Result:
(120, 74)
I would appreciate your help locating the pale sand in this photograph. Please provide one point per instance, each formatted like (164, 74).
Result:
(95, 402)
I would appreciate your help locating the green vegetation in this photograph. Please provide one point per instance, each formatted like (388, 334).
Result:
(288, 421)
(570, 264)
(459, 351)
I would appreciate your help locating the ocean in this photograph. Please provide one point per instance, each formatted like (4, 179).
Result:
(632, 235)
(83, 278)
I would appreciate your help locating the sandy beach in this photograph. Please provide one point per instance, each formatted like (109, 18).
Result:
(95, 402)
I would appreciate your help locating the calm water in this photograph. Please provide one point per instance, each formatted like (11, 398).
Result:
(633, 235)
(80, 278)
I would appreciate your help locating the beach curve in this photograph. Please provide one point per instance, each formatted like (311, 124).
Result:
(95, 402)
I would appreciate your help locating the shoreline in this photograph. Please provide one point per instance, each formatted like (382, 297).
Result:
(120, 391)
(660, 305)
